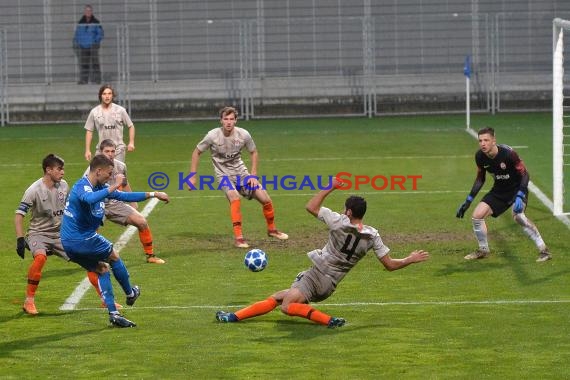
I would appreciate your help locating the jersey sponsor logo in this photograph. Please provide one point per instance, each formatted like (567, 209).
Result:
(87, 189)
(109, 127)
(502, 176)
(57, 213)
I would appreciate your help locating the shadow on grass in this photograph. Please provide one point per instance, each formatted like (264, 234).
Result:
(33, 343)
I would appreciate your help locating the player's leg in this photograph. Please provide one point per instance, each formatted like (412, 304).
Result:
(254, 310)
(123, 278)
(93, 278)
(269, 213)
(136, 219)
(308, 286)
(532, 232)
(104, 280)
(235, 214)
(481, 211)
(34, 277)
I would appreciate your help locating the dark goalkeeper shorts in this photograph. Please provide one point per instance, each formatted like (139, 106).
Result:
(500, 202)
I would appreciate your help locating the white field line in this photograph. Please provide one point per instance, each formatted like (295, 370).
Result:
(369, 304)
(537, 192)
(72, 301)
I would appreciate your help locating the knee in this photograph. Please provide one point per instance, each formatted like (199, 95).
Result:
(102, 267)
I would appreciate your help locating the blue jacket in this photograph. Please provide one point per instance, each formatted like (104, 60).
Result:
(88, 33)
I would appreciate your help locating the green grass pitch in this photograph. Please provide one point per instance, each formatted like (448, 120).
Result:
(505, 317)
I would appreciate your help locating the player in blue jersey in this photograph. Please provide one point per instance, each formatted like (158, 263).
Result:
(510, 189)
(83, 214)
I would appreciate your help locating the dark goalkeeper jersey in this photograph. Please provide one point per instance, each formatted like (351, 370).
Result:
(507, 169)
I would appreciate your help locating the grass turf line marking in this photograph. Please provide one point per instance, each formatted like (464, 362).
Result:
(72, 301)
(351, 304)
(536, 191)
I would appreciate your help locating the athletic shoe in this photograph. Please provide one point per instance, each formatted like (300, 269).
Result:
(543, 256)
(104, 305)
(152, 259)
(478, 254)
(118, 320)
(336, 322)
(277, 234)
(241, 243)
(136, 293)
(223, 316)
(30, 307)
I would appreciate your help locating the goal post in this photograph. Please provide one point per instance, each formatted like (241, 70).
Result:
(560, 119)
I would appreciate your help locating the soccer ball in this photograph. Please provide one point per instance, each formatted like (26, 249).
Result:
(255, 260)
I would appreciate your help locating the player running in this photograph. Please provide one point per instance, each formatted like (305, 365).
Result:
(510, 189)
(349, 241)
(225, 144)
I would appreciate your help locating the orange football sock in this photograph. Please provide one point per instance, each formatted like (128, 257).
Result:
(145, 236)
(307, 311)
(269, 215)
(235, 211)
(94, 280)
(35, 274)
(258, 308)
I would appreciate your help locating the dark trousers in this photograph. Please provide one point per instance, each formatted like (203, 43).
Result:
(90, 71)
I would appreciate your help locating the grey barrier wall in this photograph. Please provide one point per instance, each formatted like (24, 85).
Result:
(184, 59)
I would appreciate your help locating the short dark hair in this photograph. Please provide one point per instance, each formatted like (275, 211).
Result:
(228, 110)
(486, 131)
(107, 143)
(100, 161)
(52, 161)
(357, 205)
(103, 88)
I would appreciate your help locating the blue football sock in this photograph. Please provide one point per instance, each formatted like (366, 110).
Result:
(107, 291)
(122, 275)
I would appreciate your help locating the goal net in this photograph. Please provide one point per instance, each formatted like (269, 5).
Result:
(560, 121)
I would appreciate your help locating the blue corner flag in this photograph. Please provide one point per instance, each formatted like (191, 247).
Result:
(467, 66)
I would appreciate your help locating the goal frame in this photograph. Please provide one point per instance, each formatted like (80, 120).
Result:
(558, 27)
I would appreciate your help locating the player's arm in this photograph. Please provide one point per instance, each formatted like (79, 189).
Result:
(194, 166)
(477, 185)
(20, 241)
(88, 138)
(131, 145)
(315, 203)
(521, 169)
(395, 264)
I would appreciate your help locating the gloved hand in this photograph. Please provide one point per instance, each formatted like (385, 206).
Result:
(461, 210)
(21, 246)
(519, 203)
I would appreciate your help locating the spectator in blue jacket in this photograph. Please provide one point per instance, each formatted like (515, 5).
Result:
(86, 42)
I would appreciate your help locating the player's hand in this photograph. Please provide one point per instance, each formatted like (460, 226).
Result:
(21, 246)
(88, 155)
(119, 180)
(418, 255)
(193, 183)
(464, 206)
(519, 203)
(162, 196)
(130, 147)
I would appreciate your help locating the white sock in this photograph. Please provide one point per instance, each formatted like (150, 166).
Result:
(530, 229)
(480, 229)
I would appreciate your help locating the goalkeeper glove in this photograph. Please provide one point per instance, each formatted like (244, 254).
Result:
(21, 246)
(461, 210)
(519, 203)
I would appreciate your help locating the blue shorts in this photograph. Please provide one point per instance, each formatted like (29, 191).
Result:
(89, 252)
